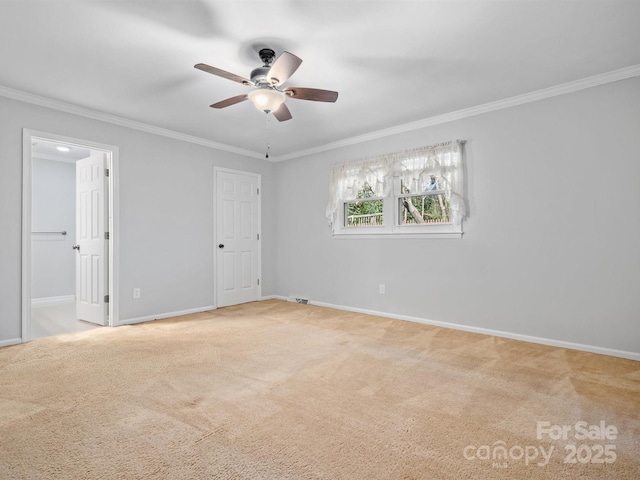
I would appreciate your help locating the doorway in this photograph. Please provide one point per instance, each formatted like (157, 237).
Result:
(237, 235)
(70, 227)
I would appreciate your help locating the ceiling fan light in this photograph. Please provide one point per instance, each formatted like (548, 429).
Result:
(266, 99)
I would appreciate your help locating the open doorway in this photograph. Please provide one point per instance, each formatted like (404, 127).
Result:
(69, 235)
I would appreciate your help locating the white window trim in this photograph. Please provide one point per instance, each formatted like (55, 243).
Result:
(447, 230)
(385, 229)
(444, 159)
(391, 223)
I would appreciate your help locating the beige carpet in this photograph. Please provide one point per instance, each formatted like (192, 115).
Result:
(276, 390)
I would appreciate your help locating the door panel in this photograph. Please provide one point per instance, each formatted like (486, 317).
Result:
(248, 274)
(246, 220)
(228, 231)
(237, 230)
(229, 268)
(91, 257)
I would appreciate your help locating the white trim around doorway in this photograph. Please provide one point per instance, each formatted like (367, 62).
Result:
(28, 136)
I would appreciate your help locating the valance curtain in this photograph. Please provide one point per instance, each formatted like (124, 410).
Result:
(434, 167)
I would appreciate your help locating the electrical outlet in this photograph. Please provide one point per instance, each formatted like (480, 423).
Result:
(381, 289)
(136, 293)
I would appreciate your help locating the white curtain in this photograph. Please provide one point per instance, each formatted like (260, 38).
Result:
(348, 178)
(438, 167)
(422, 169)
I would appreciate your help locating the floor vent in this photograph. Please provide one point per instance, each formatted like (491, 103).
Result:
(298, 300)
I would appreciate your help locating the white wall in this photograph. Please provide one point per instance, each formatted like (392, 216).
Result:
(552, 245)
(53, 210)
(166, 215)
(572, 275)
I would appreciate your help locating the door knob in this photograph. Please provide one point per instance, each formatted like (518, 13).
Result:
(221, 245)
(76, 247)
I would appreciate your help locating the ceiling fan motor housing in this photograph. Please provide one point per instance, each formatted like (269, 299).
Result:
(259, 76)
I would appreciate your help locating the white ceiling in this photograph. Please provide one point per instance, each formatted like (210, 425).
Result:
(48, 150)
(394, 62)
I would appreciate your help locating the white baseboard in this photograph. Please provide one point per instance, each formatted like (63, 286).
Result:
(53, 300)
(455, 326)
(487, 331)
(132, 321)
(10, 341)
(160, 316)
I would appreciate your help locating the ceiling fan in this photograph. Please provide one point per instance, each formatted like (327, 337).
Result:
(268, 95)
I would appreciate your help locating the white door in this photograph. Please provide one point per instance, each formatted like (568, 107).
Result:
(237, 238)
(91, 246)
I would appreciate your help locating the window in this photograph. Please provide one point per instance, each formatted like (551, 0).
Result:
(431, 206)
(418, 192)
(366, 211)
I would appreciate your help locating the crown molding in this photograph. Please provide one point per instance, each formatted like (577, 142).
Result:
(121, 121)
(562, 89)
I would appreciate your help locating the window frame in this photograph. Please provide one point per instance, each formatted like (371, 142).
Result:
(345, 206)
(391, 226)
(384, 229)
(385, 174)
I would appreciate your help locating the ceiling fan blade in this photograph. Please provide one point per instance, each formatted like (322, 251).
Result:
(315, 94)
(284, 66)
(282, 113)
(230, 101)
(222, 73)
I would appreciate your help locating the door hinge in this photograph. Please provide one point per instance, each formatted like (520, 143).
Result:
(106, 172)
(106, 235)
(106, 299)
(258, 236)
(258, 281)
(258, 191)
